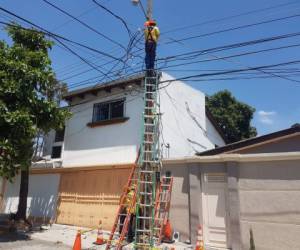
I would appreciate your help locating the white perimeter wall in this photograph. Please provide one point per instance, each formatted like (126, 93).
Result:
(184, 119)
(111, 144)
(42, 195)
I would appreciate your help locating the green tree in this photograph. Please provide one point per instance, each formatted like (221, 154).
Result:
(28, 103)
(233, 116)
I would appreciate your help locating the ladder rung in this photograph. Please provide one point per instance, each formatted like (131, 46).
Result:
(148, 133)
(146, 161)
(149, 182)
(148, 142)
(143, 230)
(148, 151)
(149, 124)
(144, 217)
(147, 171)
(145, 205)
(145, 193)
(149, 116)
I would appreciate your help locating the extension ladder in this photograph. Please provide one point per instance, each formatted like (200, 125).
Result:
(116, 239)
(149, 164)
(163, 202)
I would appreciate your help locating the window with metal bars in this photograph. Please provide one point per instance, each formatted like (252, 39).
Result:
(108, 110)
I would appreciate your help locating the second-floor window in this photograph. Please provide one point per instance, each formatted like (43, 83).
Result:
(59, 135)
(108, 110)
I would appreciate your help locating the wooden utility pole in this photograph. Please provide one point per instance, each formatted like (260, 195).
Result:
(149, 9)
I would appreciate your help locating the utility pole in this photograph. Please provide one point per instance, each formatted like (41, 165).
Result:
(149, 9)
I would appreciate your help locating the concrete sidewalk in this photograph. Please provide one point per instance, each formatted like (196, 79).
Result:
(66, 235)
(62, 237)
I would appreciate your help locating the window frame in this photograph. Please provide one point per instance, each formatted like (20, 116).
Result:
(95, 109)
(52, 150)
(59, 137)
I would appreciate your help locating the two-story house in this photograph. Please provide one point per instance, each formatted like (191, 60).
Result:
(85, 166)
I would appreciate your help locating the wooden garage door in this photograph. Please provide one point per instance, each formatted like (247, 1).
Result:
(85, 197)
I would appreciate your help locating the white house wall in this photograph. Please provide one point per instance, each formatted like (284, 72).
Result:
(213, 134)
(111, 144)
(183, 119)
(42, 195)
(184, 126)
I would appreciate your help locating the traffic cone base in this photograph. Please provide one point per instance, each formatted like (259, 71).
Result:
(77, 242)
(168, 233)
(199, 244)
(100, 240)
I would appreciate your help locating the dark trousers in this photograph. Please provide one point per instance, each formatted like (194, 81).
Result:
(150, 49)
(131, 226)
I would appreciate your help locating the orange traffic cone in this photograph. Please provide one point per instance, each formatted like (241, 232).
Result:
(77, 242)
(100, 240)
(168, 233)
(199, 243)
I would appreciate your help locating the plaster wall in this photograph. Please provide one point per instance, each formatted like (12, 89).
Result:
(213, 134)
(179, 211)
(42, 196)
(184, 125)
(269, 204)
(285, 145)
(111, 144)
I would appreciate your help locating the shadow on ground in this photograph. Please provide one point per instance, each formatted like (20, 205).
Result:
(14, 236)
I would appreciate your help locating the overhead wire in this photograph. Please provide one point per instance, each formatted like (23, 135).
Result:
(113, 14)
(84, 24)
(51, 34)
(231, 17)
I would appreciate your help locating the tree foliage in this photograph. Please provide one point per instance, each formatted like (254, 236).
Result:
(233, 116)
(28, 98)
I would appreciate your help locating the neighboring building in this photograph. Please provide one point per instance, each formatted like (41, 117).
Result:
(251, 184)
(85, 166)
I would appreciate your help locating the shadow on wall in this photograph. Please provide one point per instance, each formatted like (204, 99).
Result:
(42, 197)
(42, 209)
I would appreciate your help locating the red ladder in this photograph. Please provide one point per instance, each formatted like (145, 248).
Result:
(115, 239)
(162, 207)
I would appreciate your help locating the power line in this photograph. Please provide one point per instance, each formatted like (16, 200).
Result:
(234, 45)
(83, 23)
(205, 60)
(232, 71)
(236, 28)
(231, 56)
(231, 17)
(113, 14)
(67, 48)
(51, 34)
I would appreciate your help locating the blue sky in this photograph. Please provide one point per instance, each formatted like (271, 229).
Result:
(276, 100)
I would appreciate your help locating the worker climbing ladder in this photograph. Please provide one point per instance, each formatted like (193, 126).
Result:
(148, 167)
(122, 220)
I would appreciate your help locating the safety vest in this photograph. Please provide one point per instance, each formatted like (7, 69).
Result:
(128, 200)
(152, 33)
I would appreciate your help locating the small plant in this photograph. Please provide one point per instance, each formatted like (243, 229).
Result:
(252, 245)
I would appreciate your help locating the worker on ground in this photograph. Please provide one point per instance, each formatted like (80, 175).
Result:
(151, 37)
(129, 208)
